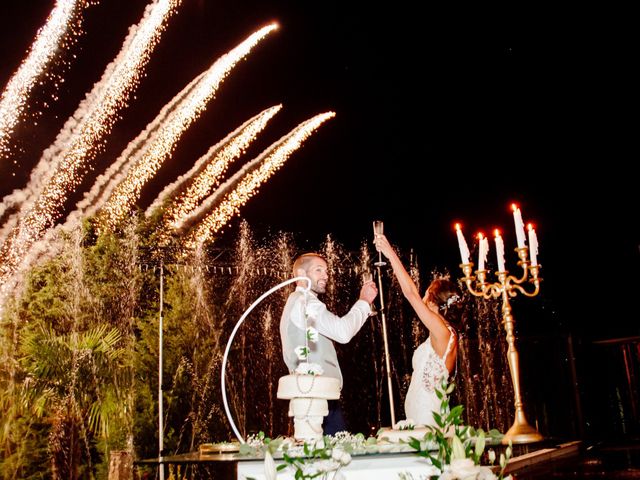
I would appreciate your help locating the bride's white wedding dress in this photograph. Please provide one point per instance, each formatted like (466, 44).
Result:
(428, 372)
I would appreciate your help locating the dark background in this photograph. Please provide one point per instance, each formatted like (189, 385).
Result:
(443, 114)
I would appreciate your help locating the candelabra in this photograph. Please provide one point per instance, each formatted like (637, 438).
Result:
(509, 286)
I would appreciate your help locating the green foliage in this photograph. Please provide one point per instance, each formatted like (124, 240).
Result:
(454, 440)
(66, 396)
(320, 459)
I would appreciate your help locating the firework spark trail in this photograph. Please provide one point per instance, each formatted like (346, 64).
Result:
(84, 131)
(162, 143)
(191, 188)
(108, 181)
(226, 201)
(60, 31)
(97, 114)
(50, 246)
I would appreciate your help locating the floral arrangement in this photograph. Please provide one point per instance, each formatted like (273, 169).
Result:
(459, 447)
(321, 459)
(453, 450)
(302, 351)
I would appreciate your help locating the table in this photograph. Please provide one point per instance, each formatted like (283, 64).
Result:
(372, 466)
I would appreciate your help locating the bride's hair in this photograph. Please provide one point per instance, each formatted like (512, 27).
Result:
(445, 294)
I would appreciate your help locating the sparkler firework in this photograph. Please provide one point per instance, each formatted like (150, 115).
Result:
(195, 205)
(226, 201)
(62, 29)
(162, 142)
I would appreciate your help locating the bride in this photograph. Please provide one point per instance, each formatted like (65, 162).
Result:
(435, 359)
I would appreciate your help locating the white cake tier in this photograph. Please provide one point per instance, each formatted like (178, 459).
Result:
(303, 407)
(397, 436)
(307, 428)
(308, 386)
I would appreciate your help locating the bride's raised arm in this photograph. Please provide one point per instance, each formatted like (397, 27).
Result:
(429, 316)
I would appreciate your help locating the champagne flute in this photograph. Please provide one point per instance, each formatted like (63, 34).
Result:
(378, 229)
(367, 276)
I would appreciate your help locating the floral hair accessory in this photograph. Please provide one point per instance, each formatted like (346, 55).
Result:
(452, 299)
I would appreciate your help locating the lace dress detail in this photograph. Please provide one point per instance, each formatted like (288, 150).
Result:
(428, 372)
(434, 368)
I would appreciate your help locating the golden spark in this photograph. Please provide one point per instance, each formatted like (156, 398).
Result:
(61, 167)
(226, 201)
(206, 174)
(61, 30)
(162, 143)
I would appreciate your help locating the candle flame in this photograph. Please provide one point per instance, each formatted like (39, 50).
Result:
(480, 236)
(496, 232)
(514, 207)
(457, 226)
(530, 226)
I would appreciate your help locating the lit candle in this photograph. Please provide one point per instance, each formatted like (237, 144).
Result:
(483, 244)
(517, 217)
(462, 243)
(499, 251)
(533, 245)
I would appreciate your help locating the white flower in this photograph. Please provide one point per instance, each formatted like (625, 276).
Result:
(325, 466)
(296, 451)
(466, 469)
(302, 352)
(452, 299)
(457, 449)
(270, 472)
(345, 439)
(341, 456)
(305, 368)
(312, 334)
(492, 456)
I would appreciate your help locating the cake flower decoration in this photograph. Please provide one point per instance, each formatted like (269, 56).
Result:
(302, 351)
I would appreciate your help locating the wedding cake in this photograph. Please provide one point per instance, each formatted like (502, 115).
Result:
(308, 386)
(308, 395)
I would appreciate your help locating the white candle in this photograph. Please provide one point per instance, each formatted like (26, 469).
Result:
(499, 251)
(483, 250)
(533, 245)
(517, 218)
(462, 244)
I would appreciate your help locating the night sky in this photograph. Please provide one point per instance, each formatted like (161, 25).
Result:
(443, 114)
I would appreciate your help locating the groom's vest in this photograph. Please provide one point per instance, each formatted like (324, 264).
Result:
(321, 352)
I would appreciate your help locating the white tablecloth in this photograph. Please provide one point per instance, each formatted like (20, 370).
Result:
(362, 467)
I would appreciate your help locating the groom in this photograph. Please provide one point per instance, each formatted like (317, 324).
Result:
(330, 327)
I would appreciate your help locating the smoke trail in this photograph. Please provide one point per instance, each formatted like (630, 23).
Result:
(226, 201)
(192, 187)
(60, 31)
(162, 142)
(50, 246)
(84, 132)
(83, 136)
(107, 182)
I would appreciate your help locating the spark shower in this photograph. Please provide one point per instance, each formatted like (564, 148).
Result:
(195, 206)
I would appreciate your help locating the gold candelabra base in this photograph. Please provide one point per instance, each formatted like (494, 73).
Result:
(521, 432)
